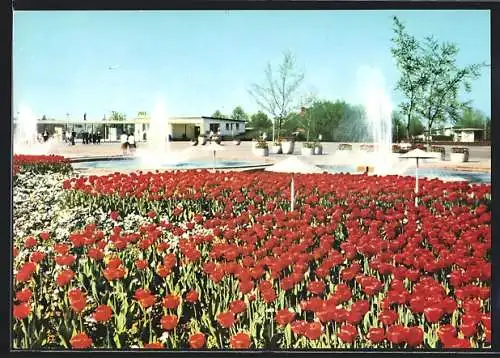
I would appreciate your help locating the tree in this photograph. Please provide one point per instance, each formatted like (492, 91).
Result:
(471, 118)
(321, 117)
(474, 118)
(239, 114)
(116, 116)
(352, 126)
(442, 82)
(260, 121)
(399, 130)
(417, 127)
(277, 96)
(409, 63)
(430, 78)
(218, 114)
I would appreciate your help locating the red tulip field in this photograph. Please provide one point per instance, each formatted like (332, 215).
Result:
(202, 260)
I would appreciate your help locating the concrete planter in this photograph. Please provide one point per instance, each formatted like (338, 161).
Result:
(236, 142)
(261, 152)
(287, 146)
(307, 151)
(318, 150)
(459, 157)
(275, 149)
(202, 140)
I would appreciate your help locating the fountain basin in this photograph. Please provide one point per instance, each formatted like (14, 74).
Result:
(475, 177)
(125, 163)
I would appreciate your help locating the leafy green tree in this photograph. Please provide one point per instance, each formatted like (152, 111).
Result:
(399, 129)
(405, 51)
(430, 78)
(417, 127)
(443, 82)
(352, 126)
(261, 122)
(471, 118)
(278, 96)
(474, 118)
(239, 113)
(218, 114)
(325, 117)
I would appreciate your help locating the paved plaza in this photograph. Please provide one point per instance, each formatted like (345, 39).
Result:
(479, 158)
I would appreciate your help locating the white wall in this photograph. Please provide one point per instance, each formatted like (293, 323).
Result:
(467, 136)
(225, 126)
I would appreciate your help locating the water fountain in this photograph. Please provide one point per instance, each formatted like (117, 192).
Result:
(26, 134)
(158, 146)
(158, 151)
(378, 118)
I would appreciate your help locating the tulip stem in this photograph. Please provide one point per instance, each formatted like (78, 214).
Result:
(26, 336)
(150, 328)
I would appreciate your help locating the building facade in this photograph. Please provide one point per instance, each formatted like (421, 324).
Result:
(179, 128)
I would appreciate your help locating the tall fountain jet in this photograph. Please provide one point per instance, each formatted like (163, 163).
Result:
(159, 131)
(378, 116)
(26, 134)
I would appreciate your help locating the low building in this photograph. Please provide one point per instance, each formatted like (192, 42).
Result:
(179, 128)
(465, 135)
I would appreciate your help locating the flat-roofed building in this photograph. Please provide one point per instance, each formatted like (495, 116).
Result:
(180, 128)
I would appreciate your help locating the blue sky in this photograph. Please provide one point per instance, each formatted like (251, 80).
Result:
(200, 61)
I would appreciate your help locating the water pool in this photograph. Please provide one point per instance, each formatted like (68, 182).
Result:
(430, 173)
(137, 164)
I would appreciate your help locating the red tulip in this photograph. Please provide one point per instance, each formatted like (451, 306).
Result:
(415, 336)
(348, 333)
(468, 329)
(316, 287)
(433, 314)
(77, 300)
(397, 334)
(192, 296)
(171, 301)
(298, 327)
(283, 317)
(141, 264)
(226, 319)
(169, 322)
(313, 331)
(21, 311)
(102, 313)
(237, 306)
(24, 295)
(81, 341)
(388, 317)
(64, 277)
(240, 341)
(376, 334)
(154, 345)
(197, 341)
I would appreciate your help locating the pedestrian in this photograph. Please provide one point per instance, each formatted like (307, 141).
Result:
(45, 136)
(124, 143)
(98, 137)
(131, 143)
(73, 137)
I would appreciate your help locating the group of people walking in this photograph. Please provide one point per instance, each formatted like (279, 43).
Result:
(128, 143)
(94, 138)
